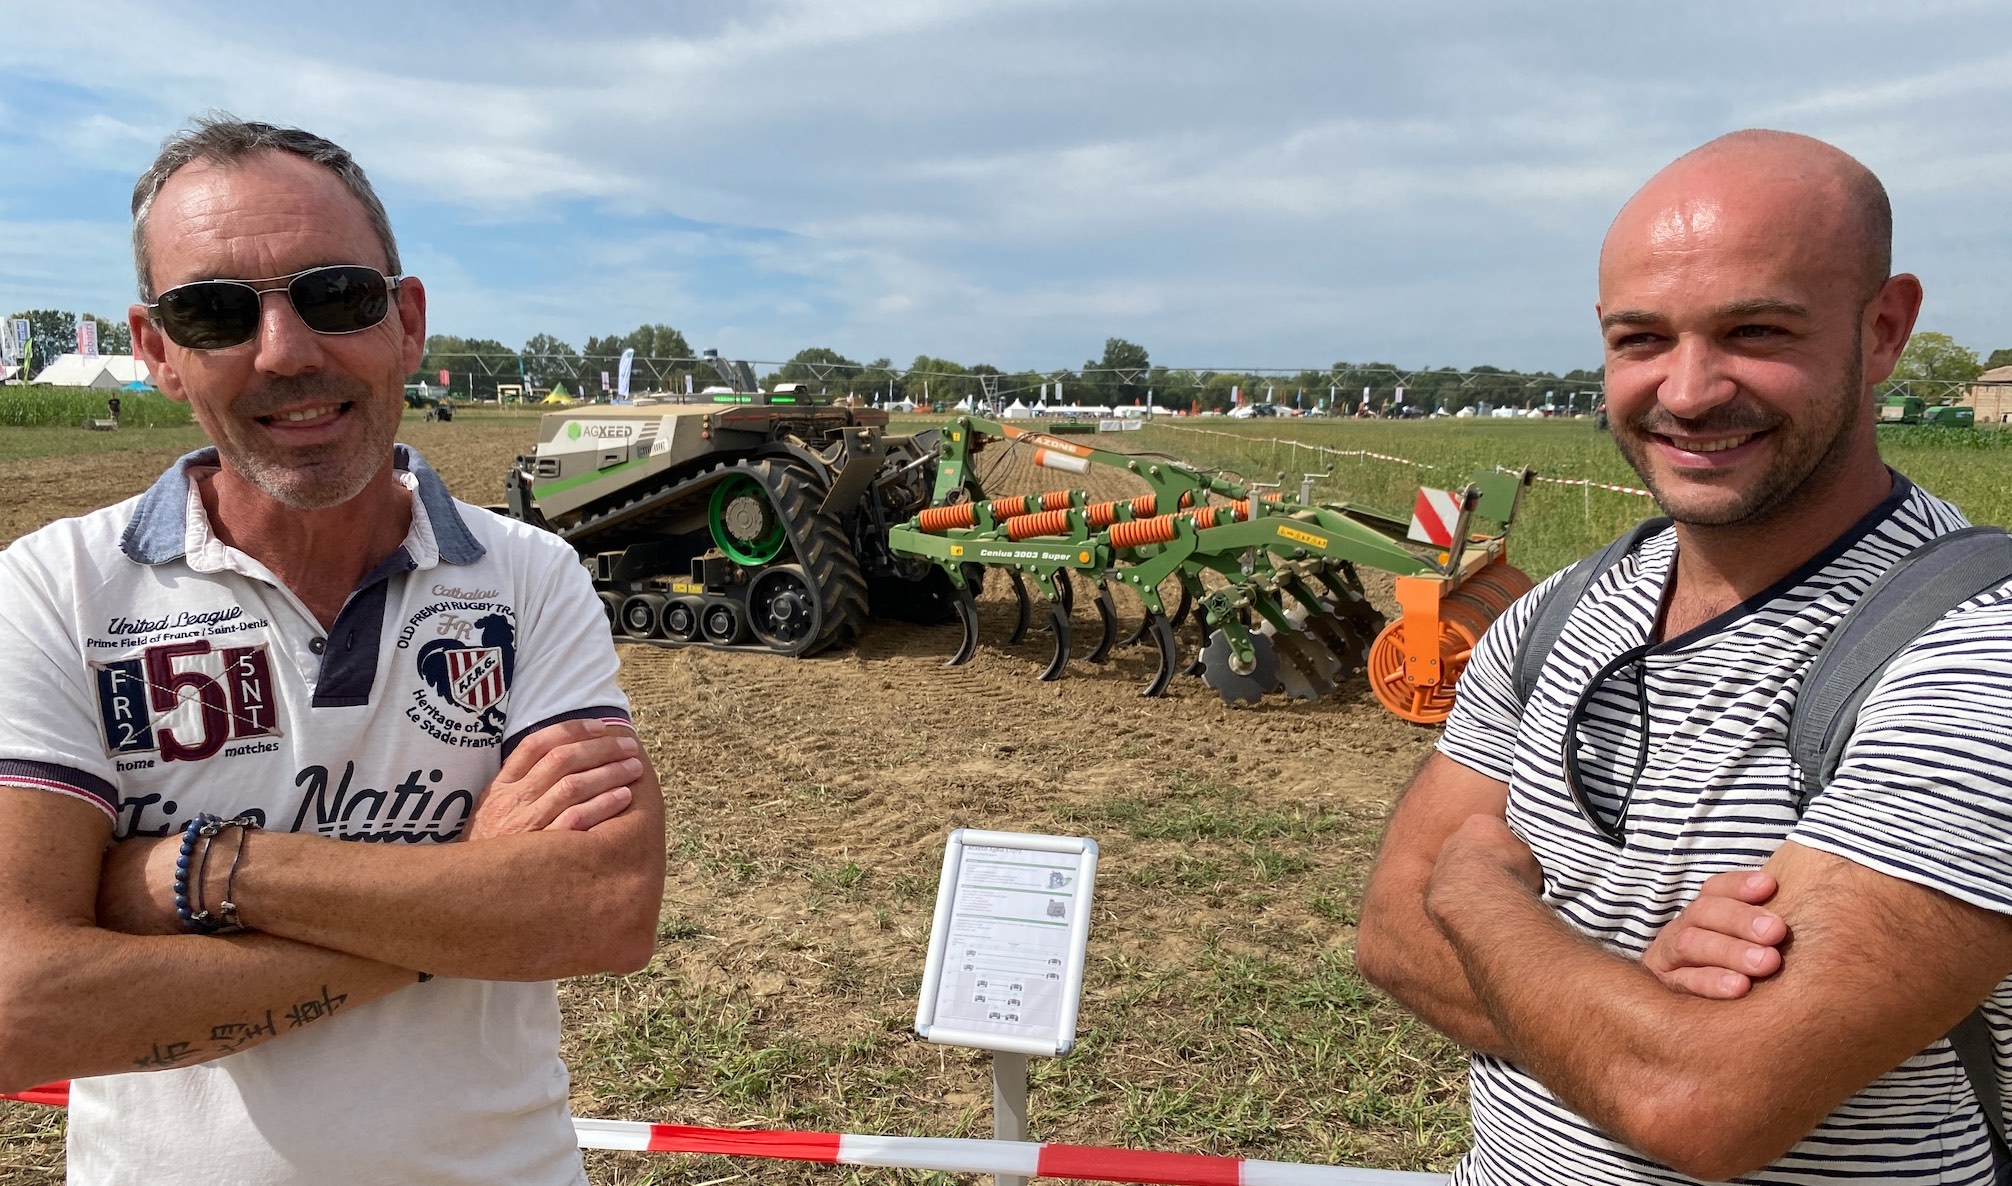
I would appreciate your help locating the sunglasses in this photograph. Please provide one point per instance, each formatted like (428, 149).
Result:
(219, 314)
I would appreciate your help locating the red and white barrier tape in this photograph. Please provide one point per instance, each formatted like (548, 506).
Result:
(949, 1155)
(1581, 482)
(1322, 450)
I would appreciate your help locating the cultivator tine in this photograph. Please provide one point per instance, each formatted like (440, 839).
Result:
(1139, 633)
(1163, 641)
(1058, 624)
(967, 617)
(1023, 608)
(1187, 604)
(1066, 589)
(1107, 625)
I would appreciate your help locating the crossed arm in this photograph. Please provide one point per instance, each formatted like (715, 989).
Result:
(561, 874)
(1876, 969)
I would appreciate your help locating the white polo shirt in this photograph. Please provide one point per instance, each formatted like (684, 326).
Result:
(1686, 742)
(158, 673)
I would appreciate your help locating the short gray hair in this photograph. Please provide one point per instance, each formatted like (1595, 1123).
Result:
(223, 139)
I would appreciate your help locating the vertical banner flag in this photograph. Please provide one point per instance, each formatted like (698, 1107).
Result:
(688, 382)
(1236, 396)
(87, 337)
(605, 384)
(10, 350)
(622, 375)
(444, 377)
(1400, 395)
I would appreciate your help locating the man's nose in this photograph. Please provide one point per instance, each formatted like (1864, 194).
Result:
(286, 346)
(1696, 380)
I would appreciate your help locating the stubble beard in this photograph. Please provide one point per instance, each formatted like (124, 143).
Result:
(314, 477)
(1805, 456)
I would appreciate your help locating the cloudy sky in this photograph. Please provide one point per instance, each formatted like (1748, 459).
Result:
(1258, 183)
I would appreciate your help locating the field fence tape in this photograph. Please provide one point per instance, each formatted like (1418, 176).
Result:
(1585, 482)
(949, 1155)
(1297, 445)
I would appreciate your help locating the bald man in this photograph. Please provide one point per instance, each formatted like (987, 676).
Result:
(1568, 887)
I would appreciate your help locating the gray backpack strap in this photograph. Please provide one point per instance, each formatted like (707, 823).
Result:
(1913, 595)
(1909, 598)
(1548, 622)
(1972, 1040)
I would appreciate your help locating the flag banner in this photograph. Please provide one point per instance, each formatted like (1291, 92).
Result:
(87, 337)
(622, 376)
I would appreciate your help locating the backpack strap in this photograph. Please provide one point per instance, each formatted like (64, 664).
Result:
(1555, 607)
(1907, 599)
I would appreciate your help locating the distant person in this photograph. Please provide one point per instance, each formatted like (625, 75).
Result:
(112, 407)
(1568, 888)
(312, 778)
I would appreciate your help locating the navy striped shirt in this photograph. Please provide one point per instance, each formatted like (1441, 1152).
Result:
(1923, 793)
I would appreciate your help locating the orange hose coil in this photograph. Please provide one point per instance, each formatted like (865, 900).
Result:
(1140, 532)
(1464, 616)
(936, 520)
(1044, 523)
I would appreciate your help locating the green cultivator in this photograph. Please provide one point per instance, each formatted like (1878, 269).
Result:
(1272, 582)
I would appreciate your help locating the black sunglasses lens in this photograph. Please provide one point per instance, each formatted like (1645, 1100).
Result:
(340, 300)
(209, 314)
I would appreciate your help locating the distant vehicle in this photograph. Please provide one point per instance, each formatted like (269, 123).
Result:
(1912, 409)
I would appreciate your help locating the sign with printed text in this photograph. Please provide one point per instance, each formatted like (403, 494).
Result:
(1007, 946)
(87, 337)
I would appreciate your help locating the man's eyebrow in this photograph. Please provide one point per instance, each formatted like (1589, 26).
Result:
(1753, 307)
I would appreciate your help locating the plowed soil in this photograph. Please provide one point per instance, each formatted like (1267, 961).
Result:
(809, 801)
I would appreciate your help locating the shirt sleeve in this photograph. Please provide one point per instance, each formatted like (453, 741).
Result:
(57, 709)
(1481, 733)
(1923, 790)
(566, 662)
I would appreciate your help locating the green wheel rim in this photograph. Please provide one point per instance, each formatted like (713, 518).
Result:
(745, 548)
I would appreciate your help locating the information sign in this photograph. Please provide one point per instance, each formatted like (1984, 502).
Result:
(1006, 949)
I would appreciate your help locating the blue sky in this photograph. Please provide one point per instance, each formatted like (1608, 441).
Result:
(1262, 183)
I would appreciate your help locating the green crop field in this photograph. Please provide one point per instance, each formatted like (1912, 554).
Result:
(36, 405)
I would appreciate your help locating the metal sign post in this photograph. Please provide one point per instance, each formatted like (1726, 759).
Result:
(1006, 957)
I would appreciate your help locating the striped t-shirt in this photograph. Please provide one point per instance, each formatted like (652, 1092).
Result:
(1923, 793)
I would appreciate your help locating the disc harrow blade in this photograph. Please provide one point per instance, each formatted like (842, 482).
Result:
(1306, 669)
(1237, 688)
(1162, 632)
(1107, 625)
(1058, 624)
(1023, 608)
(967, 619)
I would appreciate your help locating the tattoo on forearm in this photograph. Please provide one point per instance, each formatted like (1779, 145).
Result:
(165, 1055)
(232, 1036)
(314, 1010)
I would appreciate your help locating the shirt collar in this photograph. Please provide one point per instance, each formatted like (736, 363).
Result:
(170, 521)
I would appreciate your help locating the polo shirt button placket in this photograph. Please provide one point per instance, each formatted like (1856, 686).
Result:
(317, 644)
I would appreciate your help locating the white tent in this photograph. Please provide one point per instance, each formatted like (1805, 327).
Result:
(106, 370)
(1017, 411)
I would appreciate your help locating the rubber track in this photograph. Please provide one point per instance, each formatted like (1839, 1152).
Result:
(821, 548)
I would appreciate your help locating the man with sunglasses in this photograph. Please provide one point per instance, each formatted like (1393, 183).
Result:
(312, 778)
(1607, 892)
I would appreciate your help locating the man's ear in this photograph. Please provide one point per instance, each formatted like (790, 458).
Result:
(412, 321)
(1889, 322)
(150, 346)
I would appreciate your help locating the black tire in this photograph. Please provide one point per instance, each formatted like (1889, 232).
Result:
(783, 609)
(642, 615)
(822, 550)
(722, 623)
(611, 605)
(681, 619)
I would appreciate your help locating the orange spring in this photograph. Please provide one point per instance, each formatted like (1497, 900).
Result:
(1044, 523)
(1140, 532)
(1009, 508)
(1187, 498)
(940, 519)
(1055, 500)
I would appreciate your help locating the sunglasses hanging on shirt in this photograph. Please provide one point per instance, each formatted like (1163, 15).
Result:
(219, 314)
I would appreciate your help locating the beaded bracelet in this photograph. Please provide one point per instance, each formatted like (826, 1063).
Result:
(197, 918)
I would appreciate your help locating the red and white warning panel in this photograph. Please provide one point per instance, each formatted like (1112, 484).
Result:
(1435, 516)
